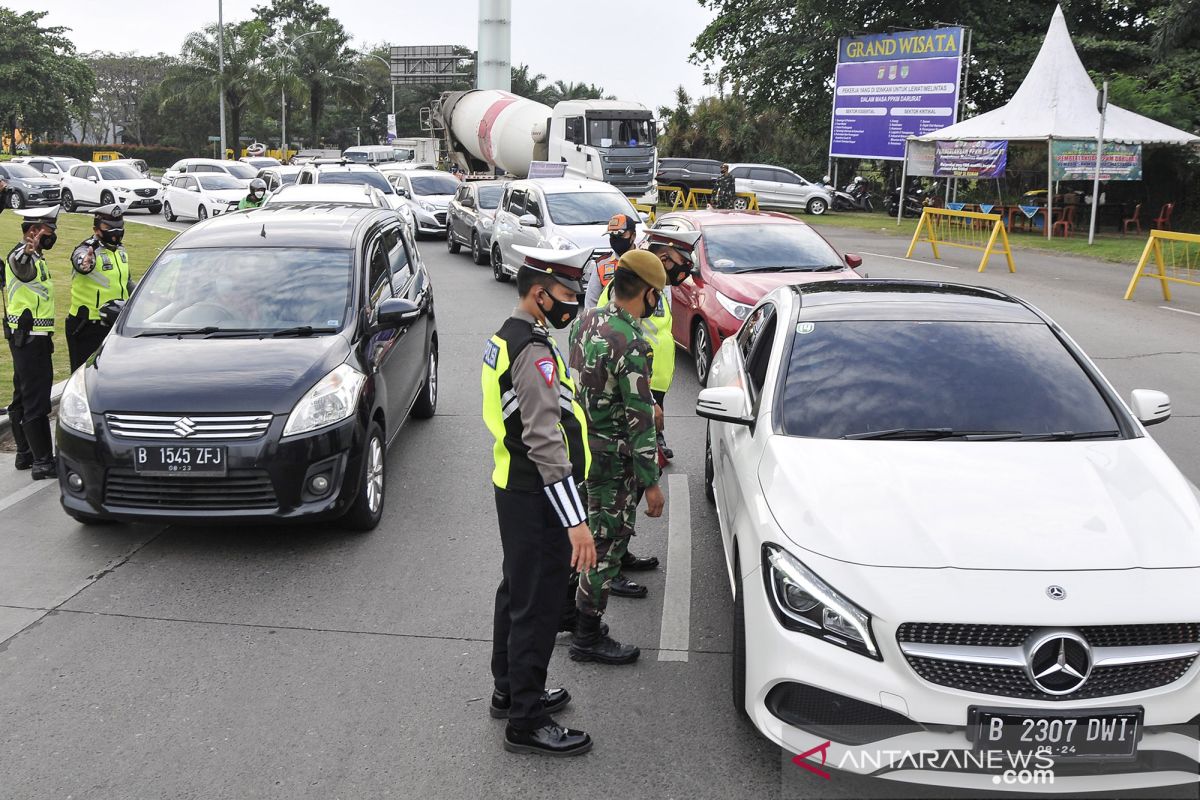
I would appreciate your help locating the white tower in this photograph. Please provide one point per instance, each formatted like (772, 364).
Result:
(493, 67)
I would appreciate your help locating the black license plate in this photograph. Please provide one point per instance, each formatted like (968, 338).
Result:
(1061, 735)
(179, 460)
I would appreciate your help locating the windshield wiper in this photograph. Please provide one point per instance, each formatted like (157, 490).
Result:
(302, 330)
(794, 268)
(180, 332)
(1068, 436)
(930, 434)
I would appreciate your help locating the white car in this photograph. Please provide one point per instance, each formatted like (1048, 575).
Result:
(276, 177)
(428, 193)
(946, 533)
(261, 162)
(341, 173)
(336, 194)
(404, 166)
(99, 184)
(191, 166)
(53, 167)
(555, 213)
(778, 187)
(200, 196)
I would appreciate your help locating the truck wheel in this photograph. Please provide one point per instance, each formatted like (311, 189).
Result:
(817, 206)
(498, 266)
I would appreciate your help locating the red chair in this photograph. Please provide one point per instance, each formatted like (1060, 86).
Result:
(1136, 219)
(1066, 222)
(1163, 220)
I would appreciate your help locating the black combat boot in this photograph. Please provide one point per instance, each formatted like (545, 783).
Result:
(37, 432)
(570, 620)
(621, 586)
(667, 452)
(590, 644)
(24, 459)
(632, 563)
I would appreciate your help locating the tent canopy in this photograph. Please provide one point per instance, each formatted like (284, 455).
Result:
(1057, 100)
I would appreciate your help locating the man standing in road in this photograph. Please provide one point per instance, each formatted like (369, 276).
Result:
(541, 457)
(100, 276)
(724, 190)
(611, 356)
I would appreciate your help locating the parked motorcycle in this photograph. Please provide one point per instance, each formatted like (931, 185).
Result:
(915, 201)
(855, 197)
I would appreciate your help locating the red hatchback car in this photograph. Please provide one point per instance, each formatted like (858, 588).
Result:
(742, 256)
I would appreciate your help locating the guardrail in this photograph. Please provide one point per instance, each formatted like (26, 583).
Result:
(941, 226)
(1168, 270)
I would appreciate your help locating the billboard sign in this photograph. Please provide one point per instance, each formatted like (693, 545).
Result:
(888, 87)
(391, 128)
(1075, 160)
(985, 159)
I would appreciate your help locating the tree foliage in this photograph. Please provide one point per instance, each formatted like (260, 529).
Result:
(42, 80)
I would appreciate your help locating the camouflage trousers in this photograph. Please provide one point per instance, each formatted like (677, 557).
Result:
(612, 498)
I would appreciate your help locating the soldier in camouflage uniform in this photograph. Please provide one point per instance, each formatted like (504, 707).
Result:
(611, 357)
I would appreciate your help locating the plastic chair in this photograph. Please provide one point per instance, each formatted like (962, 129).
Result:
(1136, 220)
(1163, 220)
(1066, 222)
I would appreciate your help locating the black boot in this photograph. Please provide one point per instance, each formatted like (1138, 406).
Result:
(570, 620)
(667, 452)
(37, 431)
(632, 563)
(621, 586)
(551, 739)
(24, 459)
(591, 645)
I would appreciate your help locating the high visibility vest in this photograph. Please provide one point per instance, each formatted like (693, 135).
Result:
(502, 411)
(657, 328)
(108, 280)
(606, 268)
(36, 296)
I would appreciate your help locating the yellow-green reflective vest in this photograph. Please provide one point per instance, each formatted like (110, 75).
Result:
(36, 296)
(657, 328)
(502, 412)
(108, 280)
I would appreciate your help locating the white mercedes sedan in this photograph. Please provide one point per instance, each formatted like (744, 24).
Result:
(956, 556)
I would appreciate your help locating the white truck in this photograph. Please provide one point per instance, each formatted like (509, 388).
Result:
(418, 148)
(604, 140)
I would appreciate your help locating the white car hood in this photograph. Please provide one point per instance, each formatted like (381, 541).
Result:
(134, 185)
(594, 236)
(225, 195)
(438, 201)
(984, 505)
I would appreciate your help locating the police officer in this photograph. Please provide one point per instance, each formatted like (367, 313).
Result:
(258, 193)
(611, 357)
(28, 327)
(541, 457)
(100, 277)
(622, 229)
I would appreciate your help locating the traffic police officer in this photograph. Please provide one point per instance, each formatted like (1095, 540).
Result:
(541, 457)
(258, 193)
(611, 357)
(28, 325)
(100, 277)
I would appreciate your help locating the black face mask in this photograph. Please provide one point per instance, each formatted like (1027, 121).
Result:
(560, 314)
(620, 244)
(48, 241)
(112, 237)
(651, 308)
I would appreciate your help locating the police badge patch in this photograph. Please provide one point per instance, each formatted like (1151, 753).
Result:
(491, 352)
(546, 367)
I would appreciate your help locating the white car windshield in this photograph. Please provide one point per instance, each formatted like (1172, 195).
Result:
(352, 177)
(586, 208)
(211, 181)
(240, 171)
(120, 173)
(434, 184)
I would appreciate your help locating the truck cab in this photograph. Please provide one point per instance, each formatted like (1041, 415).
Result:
(606, 140)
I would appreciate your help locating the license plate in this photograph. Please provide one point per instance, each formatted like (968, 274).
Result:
(1061, 735)
(182, 460)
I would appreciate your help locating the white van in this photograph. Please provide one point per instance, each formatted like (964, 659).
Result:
(369, 154)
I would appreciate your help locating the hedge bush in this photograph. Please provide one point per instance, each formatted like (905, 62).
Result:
(154, 156)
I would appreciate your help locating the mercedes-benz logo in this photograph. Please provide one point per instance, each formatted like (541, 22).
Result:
(1056, 592)
(629, 170)
(1058, 662)
(184, 427)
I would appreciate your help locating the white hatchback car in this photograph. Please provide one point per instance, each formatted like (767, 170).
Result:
(947, 534)
(428, 193)
(200, 196)
(192, 166)
(100, 184)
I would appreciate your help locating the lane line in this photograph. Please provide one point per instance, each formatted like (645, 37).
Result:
(674, 636)
(913, 260)
(28, 491)
(1179, 311)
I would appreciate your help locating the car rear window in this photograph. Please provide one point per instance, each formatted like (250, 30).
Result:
(855, 377)
(356, 176)
(758, 247)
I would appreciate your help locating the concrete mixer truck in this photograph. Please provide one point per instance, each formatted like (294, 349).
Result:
(605, 140)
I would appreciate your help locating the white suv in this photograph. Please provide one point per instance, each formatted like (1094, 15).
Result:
(236, 169)
(342, 173)
(96, 184)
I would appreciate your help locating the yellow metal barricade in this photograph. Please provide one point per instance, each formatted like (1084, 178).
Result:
(678, 195)
(645, 209)
(941, 226)
(693, 201)
(1176, 260)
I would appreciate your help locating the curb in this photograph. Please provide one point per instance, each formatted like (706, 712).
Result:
(55, 396)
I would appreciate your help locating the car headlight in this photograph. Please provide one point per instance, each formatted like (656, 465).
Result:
(332, 400)
(561, 243)
(738, 310)
(805, 603)
(427, 206)
(487, 222)
(73, 409)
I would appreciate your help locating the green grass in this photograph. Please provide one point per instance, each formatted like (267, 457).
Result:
(142, 242)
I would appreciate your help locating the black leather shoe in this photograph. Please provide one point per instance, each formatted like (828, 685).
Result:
(44, 469)
(549, 740)
(667, 452)
(634, 563)
(621, 586)
(553, 701)
(591, 645)
(24, 459)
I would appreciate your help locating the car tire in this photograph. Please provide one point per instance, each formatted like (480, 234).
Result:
(477, 252)
(106, 198)
(741, 203)
(702, 351)
(154, 209)
(89, 519)
(67, 200)
(738, 672)
(710, 472)
(367, 510)
(202, 213)
(452, 244)
(498, 266)
(426, 404)
(16, 199)
(817, 206)
(168, 214)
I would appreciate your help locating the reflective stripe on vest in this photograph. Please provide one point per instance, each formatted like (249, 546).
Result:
(657, 328)
(36, 296)
(108, 280)
(502, 411)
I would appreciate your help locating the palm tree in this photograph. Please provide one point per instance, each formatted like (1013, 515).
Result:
(1178, 22)
(326, 66)
(565, 90)
(529, 86)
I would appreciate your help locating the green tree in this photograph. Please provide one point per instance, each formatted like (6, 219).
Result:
(566, 90)
(529, 86)
(42, 80)
(123, 81)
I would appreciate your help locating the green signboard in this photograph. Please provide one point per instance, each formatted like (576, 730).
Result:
(1075, 160)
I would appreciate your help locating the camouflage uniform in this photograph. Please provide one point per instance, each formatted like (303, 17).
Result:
(724, 191)
(611, 358)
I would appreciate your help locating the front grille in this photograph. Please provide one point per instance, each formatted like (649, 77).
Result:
(440, 216)
(184, 427)
(239, 490)
(146, 192)
(840, 718)
(1015, 635)
(642, 159)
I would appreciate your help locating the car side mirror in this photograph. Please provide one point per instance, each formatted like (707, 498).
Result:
(110, 311)
(853, 261)
(1151, 407)
(645, 218)
(395, 312)
(402, 192)
(468, 202)
(528, 221)
(195, 189)
(724, 404)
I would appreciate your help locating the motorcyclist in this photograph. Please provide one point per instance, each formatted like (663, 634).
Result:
(258, 193)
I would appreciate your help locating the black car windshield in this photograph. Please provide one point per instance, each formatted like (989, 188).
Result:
(620, 132)
(846, 379)
(763, 247)
(434, 184)
(241, 171)
(262, 288)
(586, 208)
(489, 196)
(358, 177)
(215, 181)
(21, 171)
(120, 173)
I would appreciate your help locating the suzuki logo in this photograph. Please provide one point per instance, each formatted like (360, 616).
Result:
(184, 427)
(1059, 662)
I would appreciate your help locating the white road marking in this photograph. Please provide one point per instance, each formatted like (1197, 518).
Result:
(913, 260)
(28, 491)
(674, 636)
(1179, 311)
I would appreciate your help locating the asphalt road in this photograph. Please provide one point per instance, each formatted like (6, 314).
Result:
(151, 661)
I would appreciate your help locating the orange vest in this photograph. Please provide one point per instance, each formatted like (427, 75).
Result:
(606, 268)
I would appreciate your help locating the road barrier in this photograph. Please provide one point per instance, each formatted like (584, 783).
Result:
(678, 195)
(646, 209)
(693, 202)
(1167, 247)
(948, 228)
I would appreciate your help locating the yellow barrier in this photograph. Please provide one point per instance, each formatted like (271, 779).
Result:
(941, 226)
(645, 209)
(694, 204)
(679, 194)
(1187, 273)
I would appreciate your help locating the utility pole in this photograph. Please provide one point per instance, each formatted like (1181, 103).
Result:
(1102, 105)
(221, 67)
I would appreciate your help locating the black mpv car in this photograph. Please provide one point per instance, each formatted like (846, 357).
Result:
(258, 372)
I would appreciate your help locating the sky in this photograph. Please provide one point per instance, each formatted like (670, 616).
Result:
(635, 51)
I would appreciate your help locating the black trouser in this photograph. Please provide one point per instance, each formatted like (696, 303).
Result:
(33, 375)
(84, 337)
(537, 561)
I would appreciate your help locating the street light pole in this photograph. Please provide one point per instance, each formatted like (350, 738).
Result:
(221, 68)
(387, 64)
